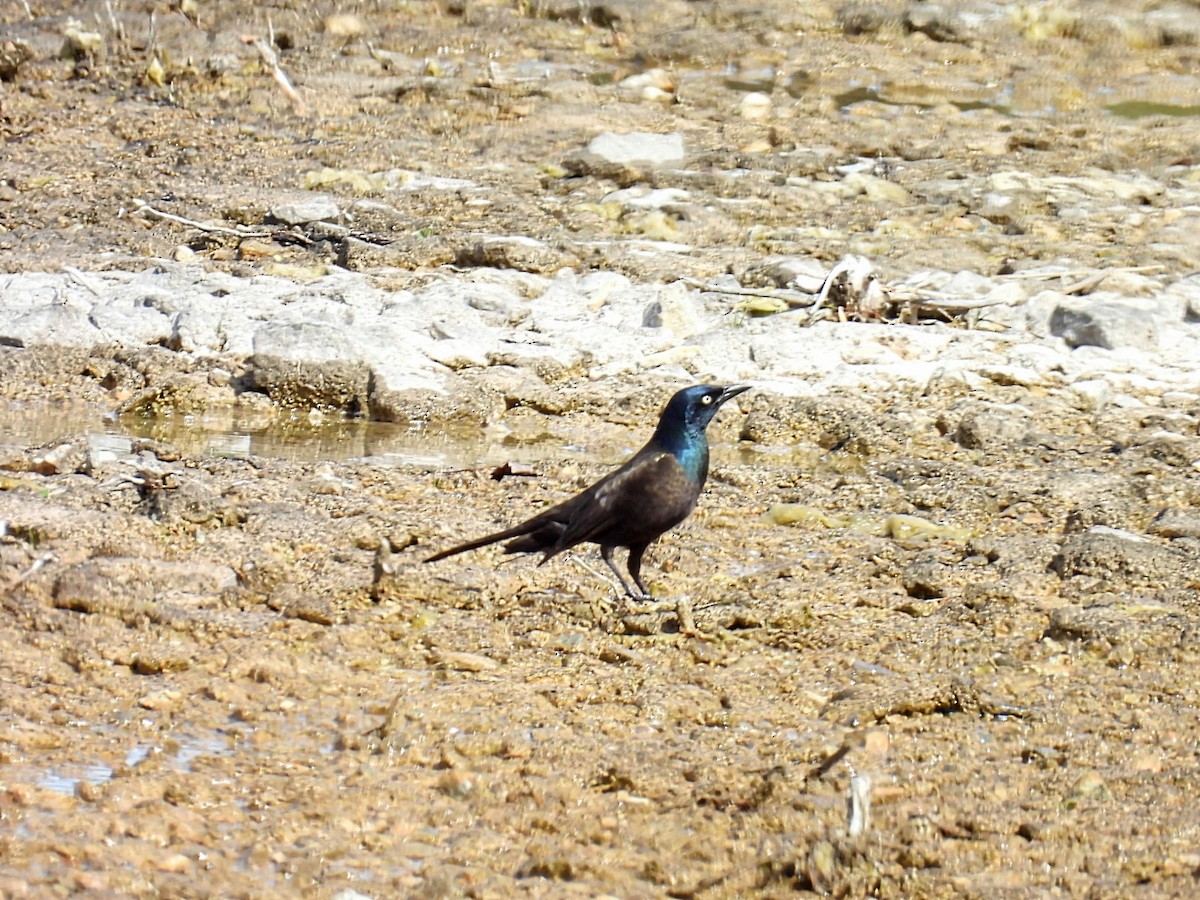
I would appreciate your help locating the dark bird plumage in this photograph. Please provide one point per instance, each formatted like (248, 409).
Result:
(634, 505)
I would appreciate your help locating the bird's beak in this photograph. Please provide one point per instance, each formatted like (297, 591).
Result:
(732, 391)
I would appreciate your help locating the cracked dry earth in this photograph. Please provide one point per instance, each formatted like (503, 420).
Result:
(233, 677)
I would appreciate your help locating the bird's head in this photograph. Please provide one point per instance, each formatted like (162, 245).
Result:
(693, 408)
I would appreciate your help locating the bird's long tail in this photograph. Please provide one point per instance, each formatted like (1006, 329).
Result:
(515, 531)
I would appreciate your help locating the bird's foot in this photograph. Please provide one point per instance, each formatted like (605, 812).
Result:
(642, 602)
(639, 596)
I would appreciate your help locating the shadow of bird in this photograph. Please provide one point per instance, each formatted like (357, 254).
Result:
(634, 505)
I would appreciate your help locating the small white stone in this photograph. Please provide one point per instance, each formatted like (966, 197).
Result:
(755, 106)
(639, 148)
(1090, 395)
(309, 209)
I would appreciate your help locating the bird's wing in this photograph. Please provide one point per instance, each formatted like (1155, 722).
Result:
(645, 497)
(624, 490)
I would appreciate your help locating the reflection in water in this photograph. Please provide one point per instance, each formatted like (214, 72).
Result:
(1137, 109)
(315, 438)
(65, 779)
(298, 438)
(303, 438)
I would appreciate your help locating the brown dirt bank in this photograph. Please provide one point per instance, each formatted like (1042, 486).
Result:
(217, 682)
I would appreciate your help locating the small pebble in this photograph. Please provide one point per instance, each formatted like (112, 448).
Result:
(755, 106)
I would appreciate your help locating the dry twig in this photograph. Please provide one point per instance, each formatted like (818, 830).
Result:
(147, 209)
(40, 561)
(794, 299)
(271, 60)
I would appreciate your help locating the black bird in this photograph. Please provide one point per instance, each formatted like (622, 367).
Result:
(634, 505)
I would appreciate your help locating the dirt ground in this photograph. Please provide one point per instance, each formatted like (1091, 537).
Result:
(233, 676)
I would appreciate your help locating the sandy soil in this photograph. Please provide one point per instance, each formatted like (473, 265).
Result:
(230, 677)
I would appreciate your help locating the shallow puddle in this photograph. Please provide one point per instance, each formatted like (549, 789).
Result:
(326, 438)
(64, 779)
(1136, 109)
(179, 754)
(300, 438)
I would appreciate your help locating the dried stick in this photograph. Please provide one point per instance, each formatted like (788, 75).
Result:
(271, 60)
(147, 209)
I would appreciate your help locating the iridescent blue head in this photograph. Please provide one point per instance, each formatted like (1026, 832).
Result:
(688, 413)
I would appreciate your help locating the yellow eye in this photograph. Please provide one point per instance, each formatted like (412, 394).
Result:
(707, 400)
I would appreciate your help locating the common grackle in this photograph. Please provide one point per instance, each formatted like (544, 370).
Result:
(634, 505)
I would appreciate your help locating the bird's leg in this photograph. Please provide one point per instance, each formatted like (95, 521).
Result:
(635, 569)
(681, 607)
(606, 553)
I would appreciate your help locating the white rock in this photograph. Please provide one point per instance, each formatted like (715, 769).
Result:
(457, 353)
(755, 106)
(1185, 296)
(1005, 374)
(639, 148)
(1091, 395)
(1007, 293)
(644, 198)
(874, 188)
(463, 301)
(132, 325)
(393, 377)
(211, 328)
(1180, 399)
(52, 325)
(598, 286)
(1119, 533)
(870, 354)
(1110, 324)
(1045, 359)
(803, 273)
(674, 309)
(784, 354)
(967, 285)
(317, 208)
(305, 341)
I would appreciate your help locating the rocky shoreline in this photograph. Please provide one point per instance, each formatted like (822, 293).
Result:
(341, 344)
